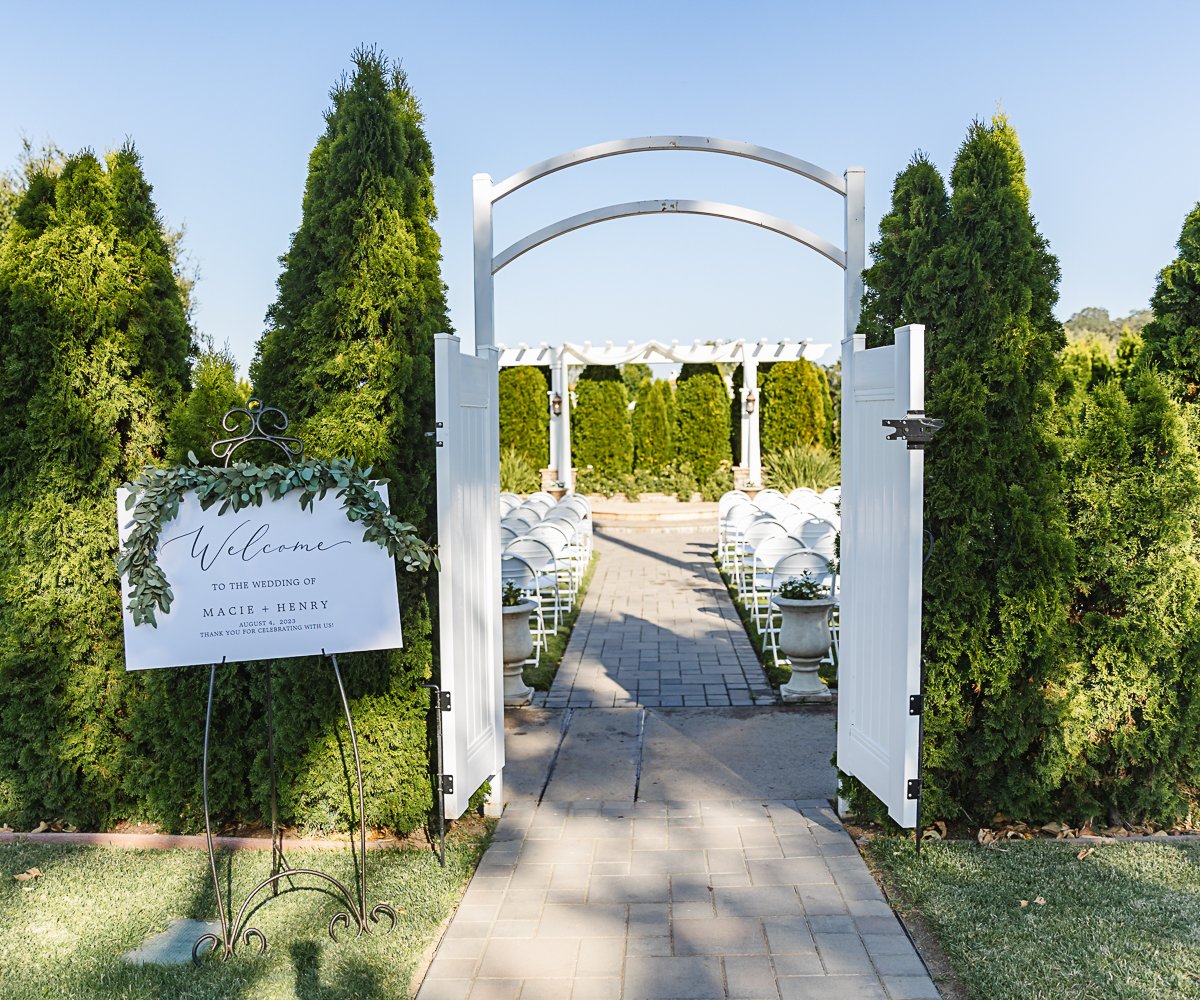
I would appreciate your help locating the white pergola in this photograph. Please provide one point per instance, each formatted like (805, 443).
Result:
(739, 352)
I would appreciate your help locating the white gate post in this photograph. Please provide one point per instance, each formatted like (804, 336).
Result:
(751, 457)
(485, 306)
(556, 389)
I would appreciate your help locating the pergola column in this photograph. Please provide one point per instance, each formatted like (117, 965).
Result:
(560, 378)
(751, 455)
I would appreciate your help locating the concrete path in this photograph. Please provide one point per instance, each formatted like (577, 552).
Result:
(649, 852)
(657, 629)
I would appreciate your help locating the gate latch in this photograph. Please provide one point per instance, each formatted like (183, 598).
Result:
(916, 429)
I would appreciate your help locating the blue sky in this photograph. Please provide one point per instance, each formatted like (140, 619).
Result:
(225, 101)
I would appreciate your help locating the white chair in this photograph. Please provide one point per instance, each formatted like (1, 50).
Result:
(753, 535)
(552, 587)
(515, 570)
(760, 575)
(820, 535)
(797, 564)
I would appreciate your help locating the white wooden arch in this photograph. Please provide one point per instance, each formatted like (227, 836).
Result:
(851, 258)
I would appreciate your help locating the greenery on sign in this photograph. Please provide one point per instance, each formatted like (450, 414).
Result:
(796, 408)
(154, 499)
(794, 466)
(601, 433)
(525, 415)
(1172, 338)
(95, 342)
(348, 355)
(702, 424)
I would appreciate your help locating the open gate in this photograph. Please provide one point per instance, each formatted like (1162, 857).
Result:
(468, 517)
(879, 662)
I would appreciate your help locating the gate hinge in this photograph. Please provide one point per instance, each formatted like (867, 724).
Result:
(916, 704)
(447, 784)
(917, 429)
(444, 701)
(914, 788)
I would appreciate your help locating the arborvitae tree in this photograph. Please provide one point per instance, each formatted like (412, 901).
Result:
(898, 286)
(1172, 338)
(691, 370)
(1085, 365)
(795, 407)
(601, 373)
(702, 424)
(1130, 695)
(653, 427)
(196, 422)
(95, 343)
(998, 578)
(601, 433)
(635, 374)
(525, 415)
(348, 354)
(737, 383)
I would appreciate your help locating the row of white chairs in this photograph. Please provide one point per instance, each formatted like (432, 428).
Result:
(766, 541)
(546, 546)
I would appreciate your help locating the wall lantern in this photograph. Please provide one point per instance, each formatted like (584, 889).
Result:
(750, 402)
(556, 405)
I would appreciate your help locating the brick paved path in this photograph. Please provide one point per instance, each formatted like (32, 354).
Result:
(591, 892)
(657, 629)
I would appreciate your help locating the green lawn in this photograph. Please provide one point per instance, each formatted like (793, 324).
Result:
(62, 935)
(1123, 923)
(542, 676)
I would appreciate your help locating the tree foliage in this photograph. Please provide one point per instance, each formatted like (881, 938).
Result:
(196, 421)
(796, 408)
(95, 340)
(702, 424)
(524, 415)
(1172, 338)
(654, 426)
(348, 354)
(601, 433)
(1129, 701)
(899, 289)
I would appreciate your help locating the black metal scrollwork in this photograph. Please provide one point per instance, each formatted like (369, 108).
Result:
(276, 422)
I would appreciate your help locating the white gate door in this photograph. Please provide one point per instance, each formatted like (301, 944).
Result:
(879, 664)
(468, 516)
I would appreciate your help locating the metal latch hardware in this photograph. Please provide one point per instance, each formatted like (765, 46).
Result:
(916, 429)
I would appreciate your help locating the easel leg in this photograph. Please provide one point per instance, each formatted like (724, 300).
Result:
(224, 941)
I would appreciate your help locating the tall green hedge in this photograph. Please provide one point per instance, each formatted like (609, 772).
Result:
(525, 414)
(601, 433)
(95, 340)
(1128, 701)
(654, 426)
(996, 635)
(349, 355)
(196, 421)
(796, 407)
(702, 424)
(1171, 341)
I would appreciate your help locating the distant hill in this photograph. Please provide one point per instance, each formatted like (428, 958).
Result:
(1094, 322)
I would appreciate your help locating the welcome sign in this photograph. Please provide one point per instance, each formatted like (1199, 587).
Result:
(264, 583)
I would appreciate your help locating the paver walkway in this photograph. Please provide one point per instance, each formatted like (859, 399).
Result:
(657, 629)
(669, 853)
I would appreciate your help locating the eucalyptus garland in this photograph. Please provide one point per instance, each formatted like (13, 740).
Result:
(155, 496)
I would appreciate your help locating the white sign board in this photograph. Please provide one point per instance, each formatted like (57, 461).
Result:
(264, 583)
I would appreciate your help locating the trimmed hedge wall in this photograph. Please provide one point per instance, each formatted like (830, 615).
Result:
(654, 426)
(796, 408)
(702, 424)
(95, 340)
(525, 415)
(601, 435)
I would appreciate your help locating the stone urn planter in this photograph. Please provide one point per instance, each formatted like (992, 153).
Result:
(804, 638)
(518, 647)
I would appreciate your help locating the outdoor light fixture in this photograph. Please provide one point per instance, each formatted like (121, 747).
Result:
(556, 405)
(749, 403)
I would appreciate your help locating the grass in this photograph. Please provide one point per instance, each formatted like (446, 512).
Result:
(542, 676)
(63, 934)
(1119, 924)
(776, 676)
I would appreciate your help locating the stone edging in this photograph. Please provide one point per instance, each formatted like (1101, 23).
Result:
(165, 841)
